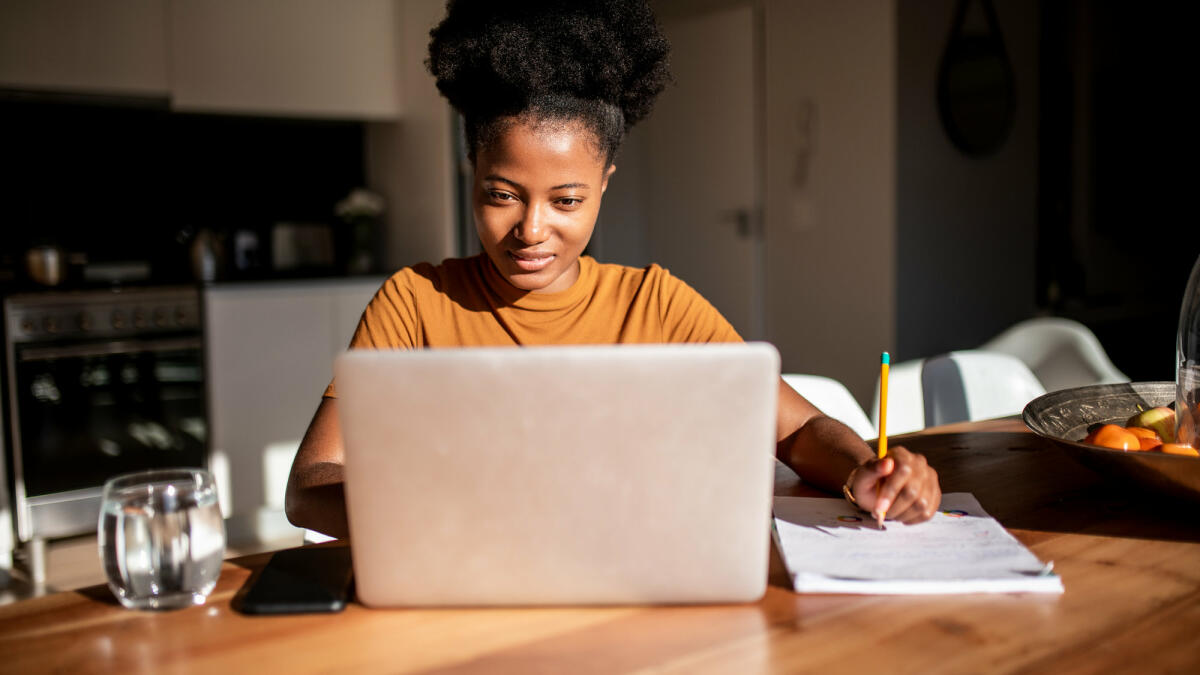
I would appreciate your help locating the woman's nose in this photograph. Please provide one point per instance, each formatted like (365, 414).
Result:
(532, 229)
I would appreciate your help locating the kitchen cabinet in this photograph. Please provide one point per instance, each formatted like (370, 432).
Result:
(110, 48)
(270, 348)
(287, 57)
(292, 58)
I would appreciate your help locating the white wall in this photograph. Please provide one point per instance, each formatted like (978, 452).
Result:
(622, 229)
(831, 191)
(966, 227)
(411, 161)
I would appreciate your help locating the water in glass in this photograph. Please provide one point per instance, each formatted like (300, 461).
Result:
(161, 538)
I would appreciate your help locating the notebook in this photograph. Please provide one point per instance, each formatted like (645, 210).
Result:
(565, 475)
(830, 547)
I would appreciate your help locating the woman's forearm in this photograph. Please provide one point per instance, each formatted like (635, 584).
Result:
(316, 500)
(823, 452)
(315, 497)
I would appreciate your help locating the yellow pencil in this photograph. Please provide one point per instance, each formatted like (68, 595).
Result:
(883, 382)
(882, 445)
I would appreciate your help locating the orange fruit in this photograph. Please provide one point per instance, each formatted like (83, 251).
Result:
(1179, 449)
(1143, 432)
(1149, 443)
(1114, 437)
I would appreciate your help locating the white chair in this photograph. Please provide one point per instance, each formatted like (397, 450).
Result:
(906, 409)
(833, 399)
(1062, 353)
(960, 386)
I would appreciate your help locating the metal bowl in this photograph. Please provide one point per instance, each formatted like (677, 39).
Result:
(1063, 418)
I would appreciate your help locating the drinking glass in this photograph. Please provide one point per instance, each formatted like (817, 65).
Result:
(161, 537)
(1187, 364)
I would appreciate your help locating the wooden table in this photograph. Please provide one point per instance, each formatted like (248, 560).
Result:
(1131, 566)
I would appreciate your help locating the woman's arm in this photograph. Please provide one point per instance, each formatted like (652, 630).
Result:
(828, 454)
(315, 498)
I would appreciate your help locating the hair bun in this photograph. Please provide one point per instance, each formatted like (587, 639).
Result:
(493, 59)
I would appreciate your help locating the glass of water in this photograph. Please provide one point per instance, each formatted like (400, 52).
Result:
(161, 537)
(1187, 364)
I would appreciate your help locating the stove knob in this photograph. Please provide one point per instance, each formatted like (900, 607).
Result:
(139, 318)
(27, 326)
(50, 324)
(180, 317)
(85, 322)
(118, 319)
(160, 318)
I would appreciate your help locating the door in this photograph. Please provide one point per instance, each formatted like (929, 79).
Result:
(703, 198)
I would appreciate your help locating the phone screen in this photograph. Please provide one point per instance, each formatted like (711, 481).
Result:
(302, 580)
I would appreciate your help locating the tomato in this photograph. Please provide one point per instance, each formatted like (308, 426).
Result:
(1114, 437)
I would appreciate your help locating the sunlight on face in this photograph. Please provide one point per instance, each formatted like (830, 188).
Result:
(536, 196)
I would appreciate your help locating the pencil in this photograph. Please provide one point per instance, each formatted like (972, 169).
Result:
(883, 386)
(882, 444)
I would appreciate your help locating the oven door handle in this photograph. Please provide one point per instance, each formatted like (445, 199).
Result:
(109, 348)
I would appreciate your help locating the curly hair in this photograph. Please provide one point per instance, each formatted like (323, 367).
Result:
(599, 63)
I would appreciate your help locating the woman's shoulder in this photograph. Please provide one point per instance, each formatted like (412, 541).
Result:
(650, 278)
(427, 276)
(616, 271)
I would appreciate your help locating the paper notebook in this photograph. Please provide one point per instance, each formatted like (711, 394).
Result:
(831, 547)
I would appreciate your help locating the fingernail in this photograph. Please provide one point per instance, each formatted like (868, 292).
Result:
(882, 506)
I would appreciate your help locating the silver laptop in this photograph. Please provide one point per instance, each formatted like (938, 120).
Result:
(559, 475)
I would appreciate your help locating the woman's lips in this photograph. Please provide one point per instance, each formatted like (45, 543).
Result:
(531, 262)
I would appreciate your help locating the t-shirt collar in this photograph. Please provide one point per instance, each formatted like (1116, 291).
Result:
(540, 302)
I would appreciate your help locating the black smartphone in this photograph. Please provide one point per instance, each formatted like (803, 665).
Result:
(302, 580)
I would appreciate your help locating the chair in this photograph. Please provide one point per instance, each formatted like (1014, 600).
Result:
(1062, 353)
(960, 386)
(906, 409)
(832, 398)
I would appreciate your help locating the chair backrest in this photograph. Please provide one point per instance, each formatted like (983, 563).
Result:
(974, 385)
(1062, 353)
(906, 409)
(833, 399)
(955, 387)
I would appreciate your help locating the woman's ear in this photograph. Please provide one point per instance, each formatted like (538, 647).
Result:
(607, 174)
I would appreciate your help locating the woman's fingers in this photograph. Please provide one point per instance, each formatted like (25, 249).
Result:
(866, 480)
(904, 489)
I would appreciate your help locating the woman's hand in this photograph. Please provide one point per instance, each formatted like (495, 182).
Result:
(901, 486)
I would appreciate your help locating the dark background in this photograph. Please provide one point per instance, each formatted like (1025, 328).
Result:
(130, 181)
(1117, 230)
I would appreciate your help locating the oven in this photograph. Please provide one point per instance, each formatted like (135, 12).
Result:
(99, 382)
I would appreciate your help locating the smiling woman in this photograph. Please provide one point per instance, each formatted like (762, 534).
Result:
(536, 198)
(547, 91)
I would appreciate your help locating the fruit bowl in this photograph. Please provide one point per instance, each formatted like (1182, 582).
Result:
(1063, 418)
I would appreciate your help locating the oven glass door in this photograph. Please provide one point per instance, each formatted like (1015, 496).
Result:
(90, 411)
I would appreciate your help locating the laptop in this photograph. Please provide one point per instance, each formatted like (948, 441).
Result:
(563, 475)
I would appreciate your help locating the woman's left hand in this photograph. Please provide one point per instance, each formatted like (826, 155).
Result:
(901, 486)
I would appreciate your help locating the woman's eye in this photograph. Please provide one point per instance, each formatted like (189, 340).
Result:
(500, 196)
(569, 202)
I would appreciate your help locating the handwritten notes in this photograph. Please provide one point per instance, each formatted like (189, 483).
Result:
(830, 547)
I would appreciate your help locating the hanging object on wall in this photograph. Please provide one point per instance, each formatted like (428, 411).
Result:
(976, 90)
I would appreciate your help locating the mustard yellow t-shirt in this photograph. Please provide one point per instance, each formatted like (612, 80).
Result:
(464, 302)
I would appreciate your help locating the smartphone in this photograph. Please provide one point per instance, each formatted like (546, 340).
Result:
(302, 580)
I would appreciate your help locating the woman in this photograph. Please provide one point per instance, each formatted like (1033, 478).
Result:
(547, 91)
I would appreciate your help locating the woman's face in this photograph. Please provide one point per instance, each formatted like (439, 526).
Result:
(536, 197)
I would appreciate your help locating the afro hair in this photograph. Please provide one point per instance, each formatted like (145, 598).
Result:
(596, 62)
